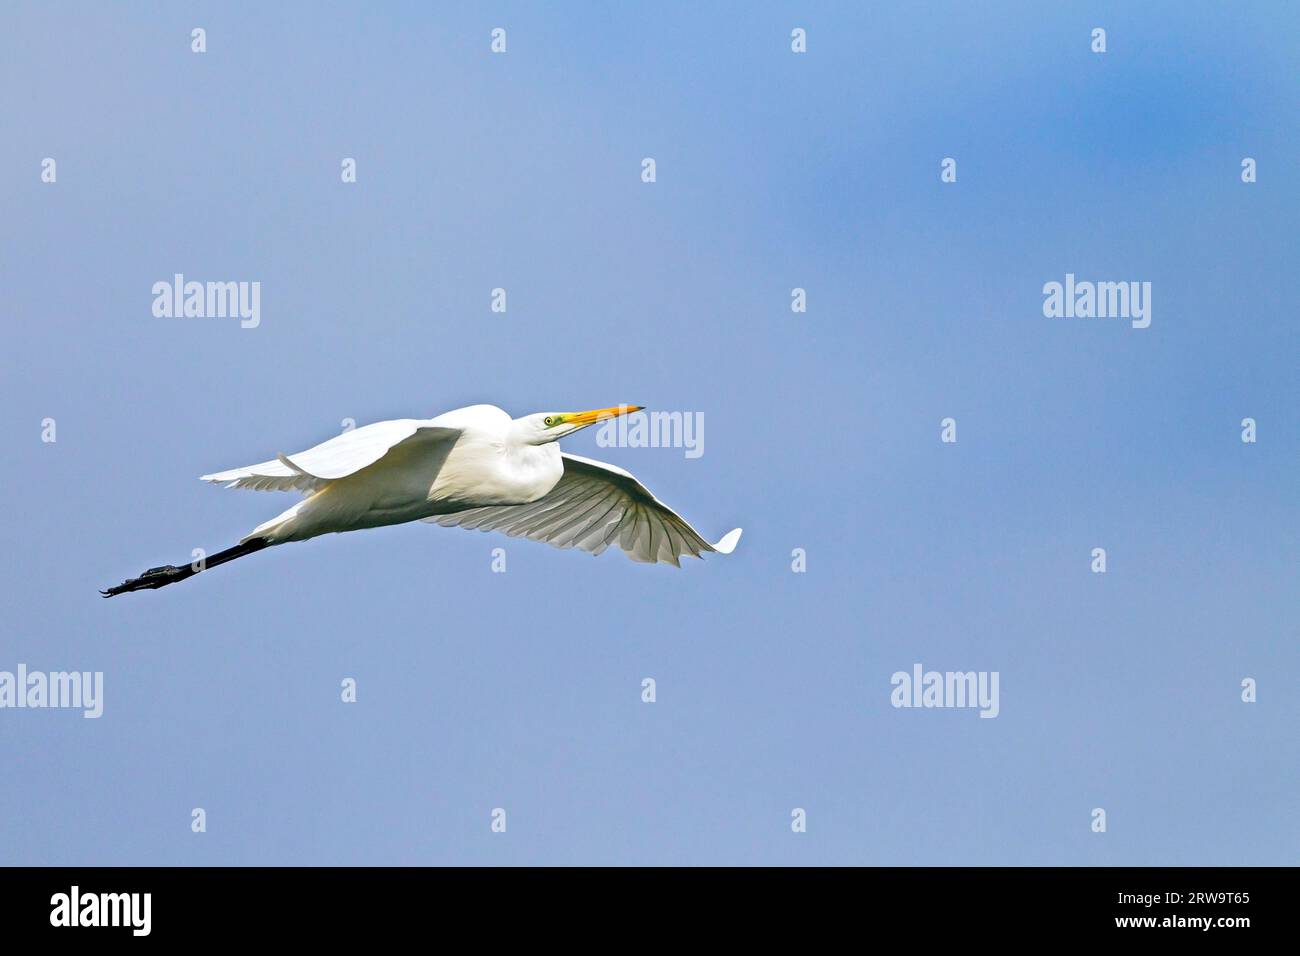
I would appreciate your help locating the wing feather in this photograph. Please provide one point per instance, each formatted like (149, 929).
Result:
(593, 506)
(346, 454)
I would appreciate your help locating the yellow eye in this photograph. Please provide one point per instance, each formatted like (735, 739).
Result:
(551, 420)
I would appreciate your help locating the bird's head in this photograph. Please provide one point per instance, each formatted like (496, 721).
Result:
(550, 426)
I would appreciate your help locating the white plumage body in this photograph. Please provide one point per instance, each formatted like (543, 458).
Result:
(424, 473)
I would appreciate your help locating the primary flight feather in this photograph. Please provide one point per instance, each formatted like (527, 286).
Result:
(474, 467)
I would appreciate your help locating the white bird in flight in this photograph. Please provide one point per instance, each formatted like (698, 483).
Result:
(474, 467)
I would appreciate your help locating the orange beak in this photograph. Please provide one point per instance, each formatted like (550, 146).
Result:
(600, 414)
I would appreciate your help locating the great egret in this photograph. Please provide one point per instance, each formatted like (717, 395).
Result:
(474, 467)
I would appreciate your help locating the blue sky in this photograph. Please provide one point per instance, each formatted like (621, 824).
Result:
(774, 171)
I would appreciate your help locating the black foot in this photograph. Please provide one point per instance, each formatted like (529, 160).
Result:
(153, 578)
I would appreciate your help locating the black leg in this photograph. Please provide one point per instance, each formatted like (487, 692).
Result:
(169, 573)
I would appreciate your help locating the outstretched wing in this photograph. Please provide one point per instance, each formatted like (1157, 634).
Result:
(343, 455)
(593, 506)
